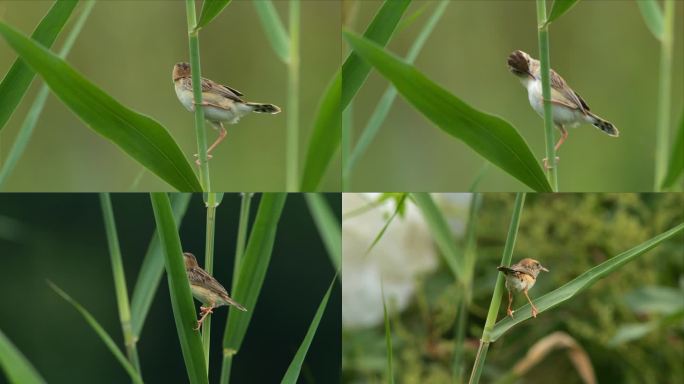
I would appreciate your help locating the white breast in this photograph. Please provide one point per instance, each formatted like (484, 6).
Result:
(561, 115)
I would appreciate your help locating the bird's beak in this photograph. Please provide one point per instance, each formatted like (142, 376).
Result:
(544, 269)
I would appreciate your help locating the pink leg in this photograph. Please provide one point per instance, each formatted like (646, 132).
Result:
(204, 311)
(564, 135)
(222, 135)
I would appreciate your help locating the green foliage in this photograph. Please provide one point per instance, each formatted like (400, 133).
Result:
(653, 16)
(558, 8)
(210, 9)
(179, 290)
(141, 137)
(492, 137)
(676, 165)
(292, 373)
(20, 75)
(17, 368)
(273, 27)
(328, 226)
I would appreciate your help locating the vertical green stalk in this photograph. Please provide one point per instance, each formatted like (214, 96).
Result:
(293, 100)
(197, 93)
(119, 281)
(664, 91)
(212, 203)
(347, 116)
(243, 225)
(544, 57)
(498, 290)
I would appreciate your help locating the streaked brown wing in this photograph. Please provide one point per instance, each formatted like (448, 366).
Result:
(210, 86)
(198, 276)
(562, 88)
(521, 270)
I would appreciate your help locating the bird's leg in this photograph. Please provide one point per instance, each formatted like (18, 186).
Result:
(204, 311)
(534, 309)
(564, 135)
(509, 312)
(223, 133)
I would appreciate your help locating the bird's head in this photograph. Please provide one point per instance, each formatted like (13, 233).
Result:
(181, 70)
(533, 265)
(190, 260)
(521, 64)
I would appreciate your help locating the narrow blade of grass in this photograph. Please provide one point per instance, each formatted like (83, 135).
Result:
(27, 127)
(355, 70)
(16, 82)
(663, 122)
(545, 68)
(153, 267)
(243, 228)
(273, 28)
(328, 226)
(382, 109)
(388, 337)
(398, 208)
(676, 165)
(210, 9)
(325, 137)
(490, 136)
(558, 8)
(179, 290)
(653, 17)
(327, 130)
(104, 336)
(119, 280)
(16, 366)
(441, 233)
(253, 267)
(141, 137)
(292, 373)
(581, 282)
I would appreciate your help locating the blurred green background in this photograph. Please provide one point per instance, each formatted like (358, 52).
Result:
(61, 237)
(567, 233)
(128, 48)
(602, 48)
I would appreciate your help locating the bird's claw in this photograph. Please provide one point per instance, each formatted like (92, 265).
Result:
(197, 160)
(535, 312)
(509, 312)
(545, 161)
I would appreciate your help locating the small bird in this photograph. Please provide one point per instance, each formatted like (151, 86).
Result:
(569, 109)
(221, 103)
(206, 289)
(521, 277)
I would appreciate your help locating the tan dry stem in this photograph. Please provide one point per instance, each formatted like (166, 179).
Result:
(578, 356)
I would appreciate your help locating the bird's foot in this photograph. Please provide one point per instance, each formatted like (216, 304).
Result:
(509, 312)
(535, 312)
(204, 311)
(197, 160)
(545, 161)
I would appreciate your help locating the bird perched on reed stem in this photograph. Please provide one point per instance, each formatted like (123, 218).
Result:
(568, 108)
(521, 277)
(206, 289)
(221, 103)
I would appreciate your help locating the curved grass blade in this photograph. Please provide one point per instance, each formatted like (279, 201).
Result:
(397, 209)
(179, 290)
(253, 266)
(676, 166)
(581, 282)
(325, 137)
(141, 137)
(440, 233)
(273, 28)
(328, 226)
(383, 107)
(558, 8)
(292, 373)
(26, 130)
(490, 136)
(327, 130)
(104, 336)
(16, 82)
(17, 368)
(153, 267)
(210, 9)
(653, 17)
(355, 70)
(121, 291)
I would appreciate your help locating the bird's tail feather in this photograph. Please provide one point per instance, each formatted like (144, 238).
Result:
(264, 108)
(234, 303)
(604, 125)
